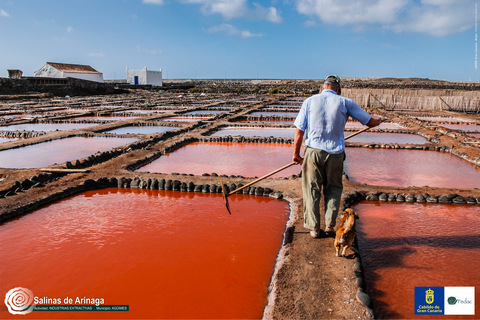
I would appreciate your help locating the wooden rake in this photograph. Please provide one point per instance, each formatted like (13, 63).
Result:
(228, 194)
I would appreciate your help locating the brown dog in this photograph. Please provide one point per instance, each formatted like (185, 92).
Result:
(346, 231)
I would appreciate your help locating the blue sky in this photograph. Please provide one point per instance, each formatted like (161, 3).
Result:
(301, 39)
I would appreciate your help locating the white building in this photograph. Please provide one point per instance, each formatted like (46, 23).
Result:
(144, 76)
(64, 70)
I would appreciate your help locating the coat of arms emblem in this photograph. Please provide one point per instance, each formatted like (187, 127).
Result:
(429, 296)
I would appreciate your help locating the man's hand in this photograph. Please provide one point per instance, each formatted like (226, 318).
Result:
(297, 158)
(297, 144)
(375, 121)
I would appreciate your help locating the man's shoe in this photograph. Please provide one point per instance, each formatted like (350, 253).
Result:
(315, 234)
(329, 230)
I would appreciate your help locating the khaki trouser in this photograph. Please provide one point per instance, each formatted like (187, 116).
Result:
(321, 169)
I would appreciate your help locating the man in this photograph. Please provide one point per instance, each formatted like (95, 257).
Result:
(322, 119)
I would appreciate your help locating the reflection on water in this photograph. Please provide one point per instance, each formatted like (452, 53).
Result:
(405, 245)
(403, 168)
(166, 254)
(246, 159)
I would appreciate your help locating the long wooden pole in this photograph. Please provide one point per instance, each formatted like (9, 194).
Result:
(224, 191)
(261, 178)
(286, 166)
(358, 132)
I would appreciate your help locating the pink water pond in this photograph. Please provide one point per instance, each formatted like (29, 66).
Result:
(165, 254)
(185, 119)
(366, 137)
(207, 112)
(141, 130)
(410, 245)
(446, 119)
(384, 125)
(256, 132)
(19, 116)
(143, 111)
(2, 140)
(47, 126)
(293, 106)
(266, 120)
(404, 168)
(58, 151)
(104, 118)
(245, 159)
(378, 137)
(274, 113)
(461, 127)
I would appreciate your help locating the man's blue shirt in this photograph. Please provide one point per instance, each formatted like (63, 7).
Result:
(323, 117)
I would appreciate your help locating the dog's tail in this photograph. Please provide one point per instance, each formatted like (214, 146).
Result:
(349, 224)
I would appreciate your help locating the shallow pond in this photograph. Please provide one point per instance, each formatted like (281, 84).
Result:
(2, 140)
(246, 159)
(274, 113)
(104, 118)
(403, 168)
(58, 151)
(256, 132)
(461, 127)
(378, 137)
(141, 130)
(410, 245)
(185, 119)
(383, 125)
(47, 127)
(166, 254)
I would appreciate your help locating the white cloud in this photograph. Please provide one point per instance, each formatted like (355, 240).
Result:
(69, 29)
(231, 9)
(157, 2)
(233, 31)
(433, 17)
(4, 13)
(352, 11)
(439, 18)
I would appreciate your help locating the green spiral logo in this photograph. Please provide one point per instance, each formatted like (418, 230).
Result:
(452, 300)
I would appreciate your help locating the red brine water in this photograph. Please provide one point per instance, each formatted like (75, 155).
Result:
(245, 159)
(166, 254)
(404, 168)
(408, 245)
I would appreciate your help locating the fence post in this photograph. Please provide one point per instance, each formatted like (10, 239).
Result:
(440, 100)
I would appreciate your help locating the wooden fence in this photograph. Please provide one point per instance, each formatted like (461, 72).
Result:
(416, 100)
